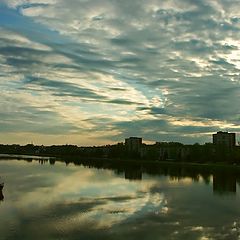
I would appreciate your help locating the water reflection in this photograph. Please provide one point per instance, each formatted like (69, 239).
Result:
(1, 195)
(133, 174)
(52, 161)
(1, 188)
(224, 183)
(133, 201)
(43, 161)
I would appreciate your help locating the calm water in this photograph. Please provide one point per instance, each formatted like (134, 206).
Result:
(46, 201)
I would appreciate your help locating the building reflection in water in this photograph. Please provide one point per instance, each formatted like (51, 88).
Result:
(224, 183)
(133, 174)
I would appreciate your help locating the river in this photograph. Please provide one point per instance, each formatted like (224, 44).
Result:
(58, 200)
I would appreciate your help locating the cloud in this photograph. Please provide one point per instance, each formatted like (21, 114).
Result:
(124, 62)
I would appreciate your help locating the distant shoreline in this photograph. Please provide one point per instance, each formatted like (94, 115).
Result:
(123, 162)
(24, 156)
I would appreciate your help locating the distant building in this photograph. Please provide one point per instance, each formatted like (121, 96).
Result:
(224, 139)
(133, 144)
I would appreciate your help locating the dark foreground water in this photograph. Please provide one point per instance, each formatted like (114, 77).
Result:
(46, 201)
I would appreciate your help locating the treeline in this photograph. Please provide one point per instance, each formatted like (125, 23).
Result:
(156, 152)
(106, 151)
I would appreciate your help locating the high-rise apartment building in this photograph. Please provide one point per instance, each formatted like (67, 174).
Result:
(133, 144)
(224, 139)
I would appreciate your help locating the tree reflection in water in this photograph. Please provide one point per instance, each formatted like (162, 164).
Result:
(224, 181)
(1, 195)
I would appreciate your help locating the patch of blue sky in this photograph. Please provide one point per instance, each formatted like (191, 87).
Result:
(12, 19)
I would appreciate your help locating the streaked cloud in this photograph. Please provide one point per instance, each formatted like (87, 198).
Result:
(101, 71)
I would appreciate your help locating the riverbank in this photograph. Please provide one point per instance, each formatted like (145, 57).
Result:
(107, 162)
(25, 157)
(148, 164)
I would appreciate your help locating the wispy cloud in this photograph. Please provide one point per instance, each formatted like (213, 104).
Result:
(164, 70)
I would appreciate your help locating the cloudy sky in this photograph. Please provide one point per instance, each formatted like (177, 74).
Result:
(92, 72)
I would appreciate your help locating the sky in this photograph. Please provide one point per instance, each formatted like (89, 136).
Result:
(93, 72)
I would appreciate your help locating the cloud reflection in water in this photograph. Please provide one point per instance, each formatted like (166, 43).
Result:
(56, 202)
